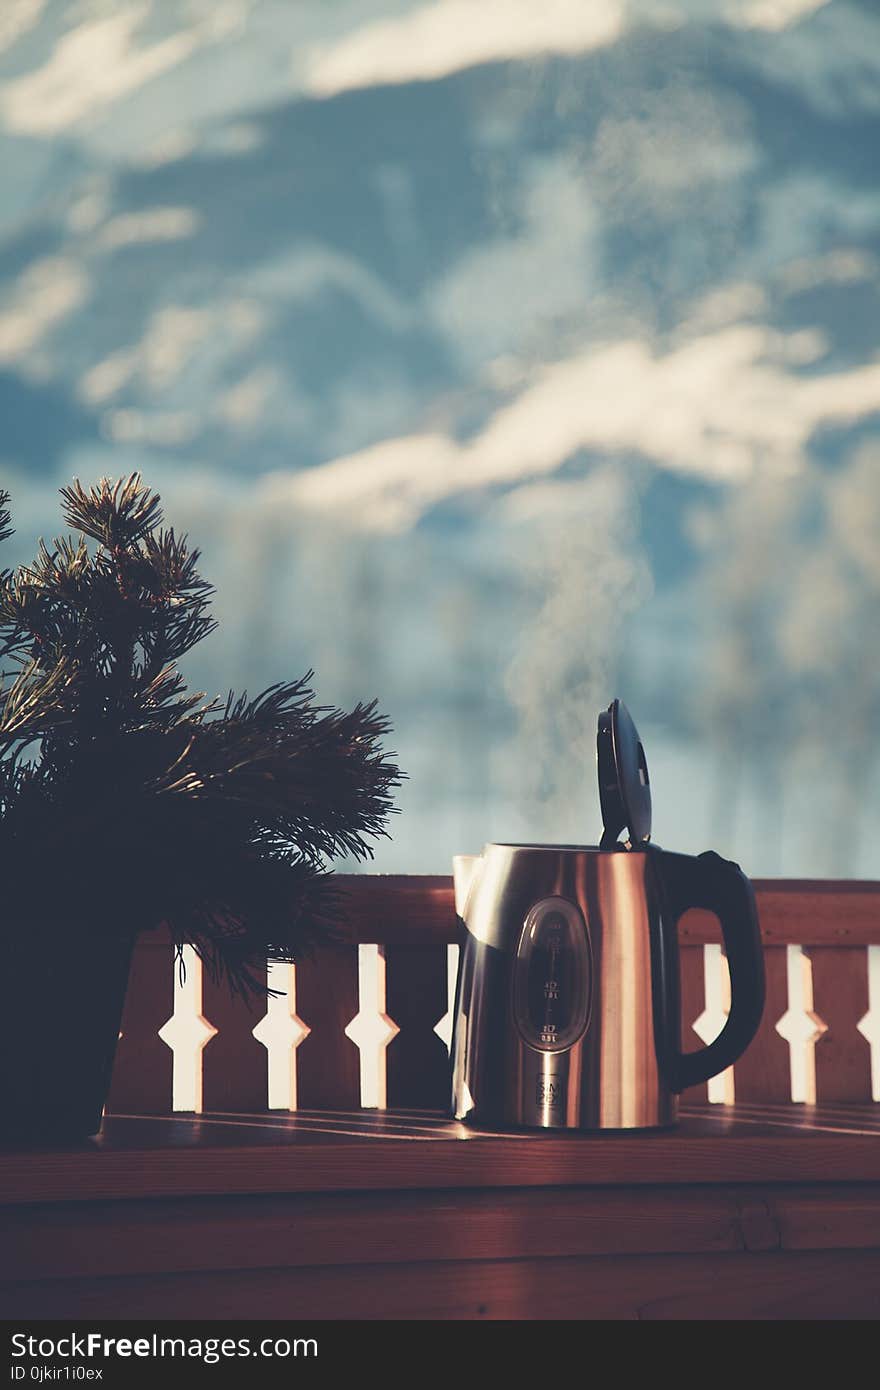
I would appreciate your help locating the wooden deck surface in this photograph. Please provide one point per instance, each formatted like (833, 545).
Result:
(756, 1211)
(361, 1150)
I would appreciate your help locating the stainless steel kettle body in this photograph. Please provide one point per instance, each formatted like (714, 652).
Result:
(567, 1008)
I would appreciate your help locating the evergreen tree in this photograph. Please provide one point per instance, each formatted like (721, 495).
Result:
(125, 800)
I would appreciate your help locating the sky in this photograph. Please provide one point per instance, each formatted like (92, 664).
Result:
(501, 358)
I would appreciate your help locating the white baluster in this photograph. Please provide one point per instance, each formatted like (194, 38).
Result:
(869, 1025)
(371, 1030)
(443, 1029)
(800, 1026)
(187, 1033)
(716, 977)
(281, 1031)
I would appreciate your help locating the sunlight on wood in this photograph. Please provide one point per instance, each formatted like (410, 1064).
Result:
(869, 1024)
(714, 1016)
(443, 1029)
(800, 1026)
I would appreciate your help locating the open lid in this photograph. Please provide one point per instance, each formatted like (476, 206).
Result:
(624, 787)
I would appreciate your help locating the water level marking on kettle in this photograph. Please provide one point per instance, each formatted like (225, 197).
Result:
(552, 987)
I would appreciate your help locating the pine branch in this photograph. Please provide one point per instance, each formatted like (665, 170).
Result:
(298, 772)
(6, 528)
(34, 704)
(147, 802)
(114, 514)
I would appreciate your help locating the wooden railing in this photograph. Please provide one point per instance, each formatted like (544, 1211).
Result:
(367, 1022)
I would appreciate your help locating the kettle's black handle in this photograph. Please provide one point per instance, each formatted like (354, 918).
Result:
(719, 886)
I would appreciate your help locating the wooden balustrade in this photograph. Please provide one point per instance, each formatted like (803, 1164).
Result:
(365, 1021)
(763, 1208)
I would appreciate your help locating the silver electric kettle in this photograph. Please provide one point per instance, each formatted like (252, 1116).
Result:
(567, 1011)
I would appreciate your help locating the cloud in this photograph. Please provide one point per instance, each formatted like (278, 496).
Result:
(509, 294)
(833, 62)
(17, 17)
(448, 35)
(445, 36)
(682, 139)
(153, 224)
(90, 67)
(46, 293)
(712, 407)
(771, 14)
(311, 269)
(173, 337)
(803, 213)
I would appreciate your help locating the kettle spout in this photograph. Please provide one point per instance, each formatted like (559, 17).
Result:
(465, 870)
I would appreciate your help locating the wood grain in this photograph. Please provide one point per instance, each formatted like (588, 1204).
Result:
(763, 1073)
(808, 912)
(328, 1063)
(840, 998)
(234, 1071)
(104, 1240)
(113, 1240)
(233, 1155)
(396, 907)
(813, 1218)
(743, 1286)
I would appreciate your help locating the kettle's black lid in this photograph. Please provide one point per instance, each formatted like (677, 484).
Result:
(624, 788)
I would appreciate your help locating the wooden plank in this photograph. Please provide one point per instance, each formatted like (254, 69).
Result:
(693, 1001)
(215, 1156)
(104, 1240)
(234, 1070)
(803, 912)
(328, 1063)
(806, 912)
(840, 999)
(400, 908)
(397, 907)
(417, 1061)
(142, 1073)
(743, 1286)
(101, 1240)
(811, 1218)
(812, 912)
(763, 1073)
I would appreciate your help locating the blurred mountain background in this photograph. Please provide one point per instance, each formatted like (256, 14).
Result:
(501, 358)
